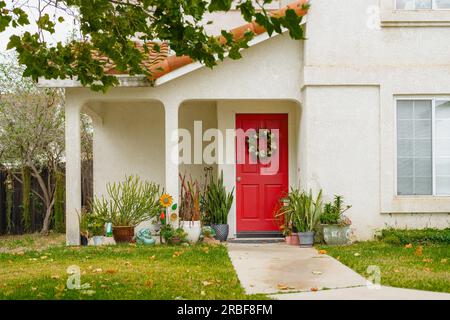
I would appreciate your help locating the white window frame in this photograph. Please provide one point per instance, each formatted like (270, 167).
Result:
(433, 7)
(433, 100)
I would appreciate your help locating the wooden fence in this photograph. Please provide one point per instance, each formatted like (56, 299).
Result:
(37, 208)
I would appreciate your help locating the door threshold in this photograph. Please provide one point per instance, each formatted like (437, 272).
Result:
(259, 234)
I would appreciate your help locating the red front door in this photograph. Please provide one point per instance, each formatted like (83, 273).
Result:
(260, 179)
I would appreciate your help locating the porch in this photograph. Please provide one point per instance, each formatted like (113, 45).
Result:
(138, 129)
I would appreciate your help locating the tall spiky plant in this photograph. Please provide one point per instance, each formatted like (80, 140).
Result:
(218, 201)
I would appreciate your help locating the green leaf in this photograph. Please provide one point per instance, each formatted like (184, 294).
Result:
(174, 207)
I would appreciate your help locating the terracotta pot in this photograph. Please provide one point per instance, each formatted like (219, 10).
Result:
(123, 233)
(292, 240)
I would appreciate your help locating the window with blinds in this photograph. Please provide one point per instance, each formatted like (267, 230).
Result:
(423, 147)
(422, 4)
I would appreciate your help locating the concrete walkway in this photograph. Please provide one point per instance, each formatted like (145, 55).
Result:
(278, 269)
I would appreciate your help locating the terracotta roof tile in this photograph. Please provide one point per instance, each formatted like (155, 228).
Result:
(159, 63)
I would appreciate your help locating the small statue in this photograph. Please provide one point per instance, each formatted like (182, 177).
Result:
(144, 236)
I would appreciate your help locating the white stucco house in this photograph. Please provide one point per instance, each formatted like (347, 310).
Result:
(362, 107)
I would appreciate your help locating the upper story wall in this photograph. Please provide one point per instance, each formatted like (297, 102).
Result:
(341, 33)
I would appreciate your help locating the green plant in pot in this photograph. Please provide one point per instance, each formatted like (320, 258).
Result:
(217, 204)
(172, 235)
(306, 210)
(284, 216)
(334, 224)
(96, 227)
(189, 209)
(129, 203)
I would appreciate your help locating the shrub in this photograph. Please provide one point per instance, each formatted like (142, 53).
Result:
(130, 202)
(217, 201)
(415, 236)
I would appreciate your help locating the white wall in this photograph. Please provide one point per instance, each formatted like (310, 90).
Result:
(352, 74)
(129, 140)
(206, 112)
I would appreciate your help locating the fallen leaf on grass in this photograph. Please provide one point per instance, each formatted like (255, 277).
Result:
(149, 283)
(427, 269)
(203, 293)
(408, 246)
(152, 257)
(98, 270)
(177, 254)
(356, 254)
(33, 288)
(206, 283)
(20, 253)
(427, 260)
(396, 271)
(55, 277)
(322, 251)
(443, 260)
(44, 257)
(111, 271)
(419, 251)
(127, 263)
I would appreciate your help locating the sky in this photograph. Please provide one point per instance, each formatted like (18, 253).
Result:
(63, 30)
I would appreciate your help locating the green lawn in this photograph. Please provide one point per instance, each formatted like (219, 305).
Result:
(406, 267)
(119, 272)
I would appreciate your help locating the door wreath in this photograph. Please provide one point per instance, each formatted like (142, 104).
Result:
(264, 138)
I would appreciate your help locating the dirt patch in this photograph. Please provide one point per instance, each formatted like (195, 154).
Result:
(30, 242)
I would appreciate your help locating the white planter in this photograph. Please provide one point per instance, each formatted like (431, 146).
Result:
(193, 230)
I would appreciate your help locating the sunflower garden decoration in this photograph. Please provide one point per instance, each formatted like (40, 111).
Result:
(168, 210)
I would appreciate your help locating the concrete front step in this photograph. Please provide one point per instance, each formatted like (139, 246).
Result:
(255, 240)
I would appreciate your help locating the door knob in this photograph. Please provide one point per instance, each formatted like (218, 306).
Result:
(238, 179)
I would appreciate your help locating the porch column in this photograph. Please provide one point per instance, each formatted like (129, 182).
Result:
(172, 148)
(73, 171)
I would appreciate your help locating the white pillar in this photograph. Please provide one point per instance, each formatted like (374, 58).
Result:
(73, 171)
(172, 148)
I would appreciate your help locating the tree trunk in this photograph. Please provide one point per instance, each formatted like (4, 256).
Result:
(59, 203)
(47, 219)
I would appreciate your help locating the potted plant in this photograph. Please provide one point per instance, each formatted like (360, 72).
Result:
(285, 218)
(84, 233)
(171, 235)
(129, 203)
(306, 213)
(218, 202)
(334, 224)
(189, 210)
(96, 228)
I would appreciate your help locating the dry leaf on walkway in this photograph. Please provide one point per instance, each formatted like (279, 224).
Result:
(317, 272)
(322, 251)
(314, 289)
(282, 287)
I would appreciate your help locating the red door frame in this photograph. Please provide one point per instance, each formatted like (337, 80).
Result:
(257, 195)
